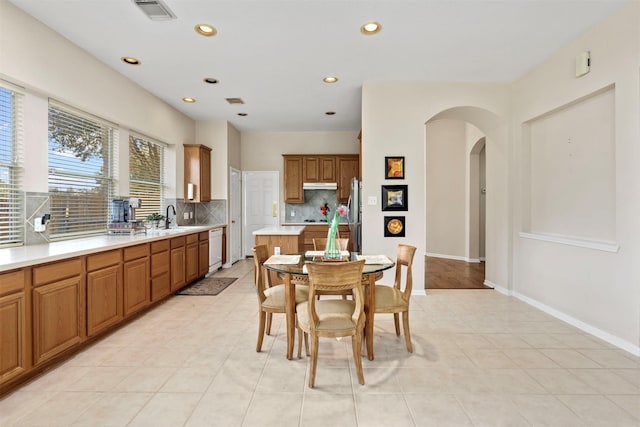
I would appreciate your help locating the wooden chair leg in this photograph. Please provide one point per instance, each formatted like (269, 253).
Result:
(269, 316)
(261, 322)
(306, 343)
(356, 343)
(314, 360)
(407, 334)
(396, 321)
(300, 342)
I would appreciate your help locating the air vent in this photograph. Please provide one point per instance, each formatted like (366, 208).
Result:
(235, 100)
(155, 10)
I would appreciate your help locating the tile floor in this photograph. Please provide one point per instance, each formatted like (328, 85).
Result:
(480, 359)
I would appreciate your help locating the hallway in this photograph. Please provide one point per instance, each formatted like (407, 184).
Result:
(442, 273)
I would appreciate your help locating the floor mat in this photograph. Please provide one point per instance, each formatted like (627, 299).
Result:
(208, 286)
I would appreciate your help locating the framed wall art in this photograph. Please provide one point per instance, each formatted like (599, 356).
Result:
(395, 198)
(394, 168)
(394, 226)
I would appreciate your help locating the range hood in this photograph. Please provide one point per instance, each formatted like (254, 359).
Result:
(319, 186)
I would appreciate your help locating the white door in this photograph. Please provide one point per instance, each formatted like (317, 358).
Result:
(235, 215)
(260, 195)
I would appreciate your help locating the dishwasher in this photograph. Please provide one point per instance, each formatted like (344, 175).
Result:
(215, 249)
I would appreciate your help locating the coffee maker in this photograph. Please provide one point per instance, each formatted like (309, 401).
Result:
(123, 217)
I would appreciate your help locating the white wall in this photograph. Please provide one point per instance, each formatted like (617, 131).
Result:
(262, 151)
(594, 287)
(445, 195)
(214, 134)
(48, 65)
(393, 124)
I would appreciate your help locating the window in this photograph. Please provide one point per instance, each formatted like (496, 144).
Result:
(11, 192)
(82, 166)
(146, 171)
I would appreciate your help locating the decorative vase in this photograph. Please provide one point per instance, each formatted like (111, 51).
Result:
(332, 249)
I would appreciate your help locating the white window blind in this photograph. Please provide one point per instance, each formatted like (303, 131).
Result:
(146, 174)
(11, 191)
(82, 167)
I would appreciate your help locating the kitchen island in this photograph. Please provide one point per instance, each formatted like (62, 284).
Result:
(287, 238)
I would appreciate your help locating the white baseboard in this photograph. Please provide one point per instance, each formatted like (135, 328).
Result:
(454, 257)
(605, 336)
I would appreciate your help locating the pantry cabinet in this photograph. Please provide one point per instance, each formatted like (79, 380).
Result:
(197, 171)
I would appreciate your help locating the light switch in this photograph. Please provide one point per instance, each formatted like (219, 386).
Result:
(372, 201)
(186, 215)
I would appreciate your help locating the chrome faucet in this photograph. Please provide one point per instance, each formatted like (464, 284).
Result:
(167, 221)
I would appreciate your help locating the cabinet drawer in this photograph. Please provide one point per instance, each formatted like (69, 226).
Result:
(103, 259)
(176, 242)
(162, 245)
(192, 238)
(56, 271)
(203, 235)
(135, 252)
(159, 263)
(12, 282)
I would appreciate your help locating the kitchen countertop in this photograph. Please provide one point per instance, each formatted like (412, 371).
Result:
(24, 256)
(280, 230)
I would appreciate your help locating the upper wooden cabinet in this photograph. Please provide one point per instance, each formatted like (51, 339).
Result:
(300, 168)
(319, 169)
(293, 179)
(197, 171)
(348, 168)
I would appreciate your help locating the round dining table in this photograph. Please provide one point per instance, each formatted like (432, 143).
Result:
(294, 273)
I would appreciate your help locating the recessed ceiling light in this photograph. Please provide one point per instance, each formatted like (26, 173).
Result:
(371, 28)
(330, 113)
(211, 81)
(330, 79)
(205, 30)
(130, 60)
(242, 114)
(189, 100)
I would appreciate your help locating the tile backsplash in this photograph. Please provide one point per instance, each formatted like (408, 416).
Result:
(37, 204)
(310, 209)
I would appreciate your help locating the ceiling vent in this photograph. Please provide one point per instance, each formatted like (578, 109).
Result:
(235, 100)
(155, 10)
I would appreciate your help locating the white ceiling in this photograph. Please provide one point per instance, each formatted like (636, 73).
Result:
(273, 54)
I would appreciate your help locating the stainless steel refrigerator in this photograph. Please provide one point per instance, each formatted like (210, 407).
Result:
(355, 215)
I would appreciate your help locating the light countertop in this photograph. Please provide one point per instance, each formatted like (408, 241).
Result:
(280, 230)
(24, 256)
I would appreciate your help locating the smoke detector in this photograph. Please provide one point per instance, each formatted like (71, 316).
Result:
(156, 10)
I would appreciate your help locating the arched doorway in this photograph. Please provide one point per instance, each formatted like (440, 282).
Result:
(456, 197)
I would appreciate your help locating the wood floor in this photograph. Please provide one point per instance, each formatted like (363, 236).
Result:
(441, 273)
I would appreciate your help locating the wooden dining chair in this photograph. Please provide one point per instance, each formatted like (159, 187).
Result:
(333, 318)
(271, 298)
(318, 245)
(321, 242)
(395, 299)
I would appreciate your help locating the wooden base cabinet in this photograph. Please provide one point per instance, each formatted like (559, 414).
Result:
(178, 270)
(14, 336)
(203, 253)
(137, 281)
(160, 275)
(191, 258)
(58, 308)
(104, 291)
